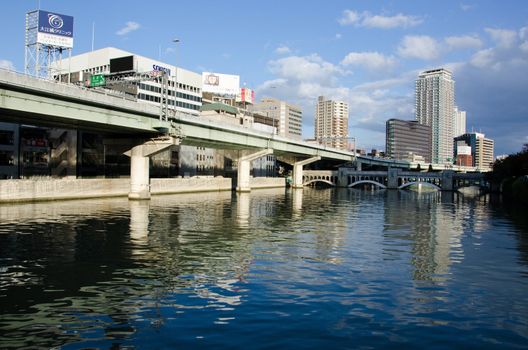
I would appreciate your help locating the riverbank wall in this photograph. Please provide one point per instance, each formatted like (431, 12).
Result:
(45, 189)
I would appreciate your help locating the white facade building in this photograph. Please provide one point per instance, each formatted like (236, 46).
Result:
(435, 96)
(331, 123)
(460, 122)
(289, 116)
(189, 89)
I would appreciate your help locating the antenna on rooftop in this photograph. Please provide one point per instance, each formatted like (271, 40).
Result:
(93, 35)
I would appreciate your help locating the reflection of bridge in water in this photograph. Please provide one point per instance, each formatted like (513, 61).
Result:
(396, 179)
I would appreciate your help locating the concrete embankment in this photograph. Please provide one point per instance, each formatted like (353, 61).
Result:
(57, 189)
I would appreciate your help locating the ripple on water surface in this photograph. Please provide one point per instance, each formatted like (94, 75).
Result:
(270, 269)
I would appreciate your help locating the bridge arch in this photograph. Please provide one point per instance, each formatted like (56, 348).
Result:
(463, 183)
(319, 180)
(427, 184)
(367, 182)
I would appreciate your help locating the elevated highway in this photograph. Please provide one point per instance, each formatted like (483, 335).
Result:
(28, 100)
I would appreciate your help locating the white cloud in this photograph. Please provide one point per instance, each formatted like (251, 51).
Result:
(307, 68)
(523, 34)
(282, 49)
(502, 37)
(338, 36)
(300, 80)
(463, 42)
(349, 17)
(369, 60)
(5, 64)
(420, 46)
(387, 22)
(483, 58)
(467, 7)
(366, 19)
(129, 27)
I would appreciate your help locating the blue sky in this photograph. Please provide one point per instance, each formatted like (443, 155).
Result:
(367, 53)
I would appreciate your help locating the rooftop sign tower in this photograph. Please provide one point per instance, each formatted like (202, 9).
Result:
(48, 35)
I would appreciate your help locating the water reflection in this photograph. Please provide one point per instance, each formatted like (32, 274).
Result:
(235, 269)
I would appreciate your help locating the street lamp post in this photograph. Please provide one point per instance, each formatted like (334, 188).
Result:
(175, 41)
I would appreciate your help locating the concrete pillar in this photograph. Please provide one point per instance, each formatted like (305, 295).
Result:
(342, 177)
(139, 174)
(140, 165)
(447, 180)
(392, 178)
(298, 171)
(244, 167)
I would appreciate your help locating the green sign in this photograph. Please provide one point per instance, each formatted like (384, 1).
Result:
(97, 80)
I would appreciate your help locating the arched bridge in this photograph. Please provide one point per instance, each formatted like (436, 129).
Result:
(395, 179)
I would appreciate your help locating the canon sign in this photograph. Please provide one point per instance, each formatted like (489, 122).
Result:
(161, 69)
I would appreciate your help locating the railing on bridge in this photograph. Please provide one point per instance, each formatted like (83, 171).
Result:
(395, 179)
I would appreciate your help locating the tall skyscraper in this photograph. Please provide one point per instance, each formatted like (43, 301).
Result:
(286, 116)
(331, 123)
(460, 122)
(408, 140)
(435, 103)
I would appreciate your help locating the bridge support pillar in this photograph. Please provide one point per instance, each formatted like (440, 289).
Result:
(447, 180)
(140, 165)
(392, 178)
(298, 171)
(243, 169)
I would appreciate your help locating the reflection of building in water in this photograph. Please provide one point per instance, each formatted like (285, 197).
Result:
(194, 237)
(329, 224)
(431, 226)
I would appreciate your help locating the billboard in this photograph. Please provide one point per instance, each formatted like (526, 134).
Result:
(122, 64)
(246, 96)
(55, 29)
(221, 84)
(463, 150)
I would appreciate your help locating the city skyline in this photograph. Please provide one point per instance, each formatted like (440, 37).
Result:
(366, 54)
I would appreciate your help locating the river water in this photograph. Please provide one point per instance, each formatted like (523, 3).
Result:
(273, 269)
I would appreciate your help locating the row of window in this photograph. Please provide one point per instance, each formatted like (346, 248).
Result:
(157, 99)
(98, 70)
(157, 89)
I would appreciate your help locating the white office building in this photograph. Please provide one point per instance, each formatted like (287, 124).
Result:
(110, 62)
(435, 96)
(286, 116)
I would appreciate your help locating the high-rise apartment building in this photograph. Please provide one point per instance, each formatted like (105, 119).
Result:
(408, 140)
(460, 122)
(286, 116)
(482, 149)
(435, 96)
(331, 123)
